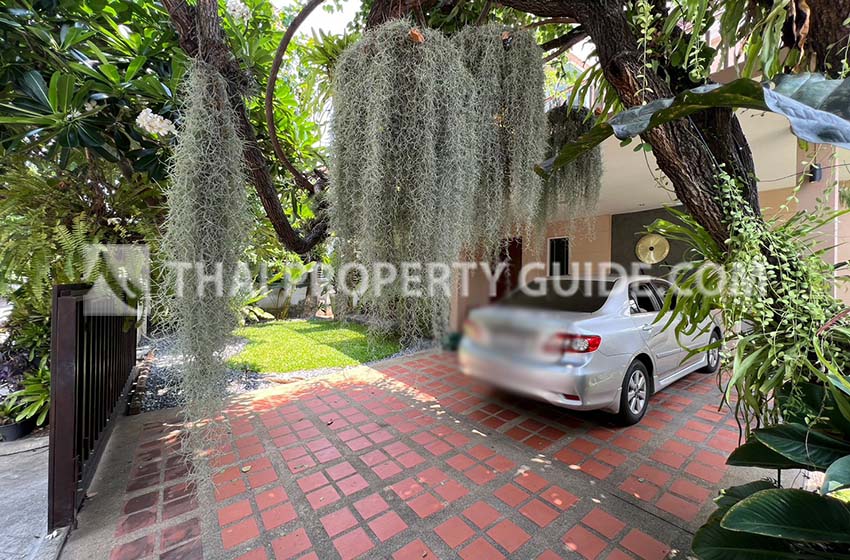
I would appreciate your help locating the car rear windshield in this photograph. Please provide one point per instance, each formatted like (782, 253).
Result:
(561, 294)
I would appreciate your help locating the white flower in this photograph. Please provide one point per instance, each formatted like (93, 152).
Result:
(152, 123)
(238, 10)
(73, 114)
(90, 106)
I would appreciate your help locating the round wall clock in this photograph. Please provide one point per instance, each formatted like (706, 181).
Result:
(652, 248)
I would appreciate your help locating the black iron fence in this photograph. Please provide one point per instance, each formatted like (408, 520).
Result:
(92, 355)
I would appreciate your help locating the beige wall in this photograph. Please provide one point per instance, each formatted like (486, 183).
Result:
(478, 295)
(590, 242)
(777, 203)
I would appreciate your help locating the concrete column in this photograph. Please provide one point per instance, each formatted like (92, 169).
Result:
(832, 236)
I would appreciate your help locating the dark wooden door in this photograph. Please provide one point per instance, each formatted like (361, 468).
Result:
(509, 280)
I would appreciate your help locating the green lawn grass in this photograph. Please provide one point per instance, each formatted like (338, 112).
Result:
(282, 346)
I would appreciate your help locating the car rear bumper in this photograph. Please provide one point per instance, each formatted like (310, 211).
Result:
(581, 387)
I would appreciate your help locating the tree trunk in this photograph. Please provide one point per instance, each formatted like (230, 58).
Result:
(828, 37)
(689, 151)
(201, 37)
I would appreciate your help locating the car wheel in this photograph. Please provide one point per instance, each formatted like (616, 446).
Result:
(634, 398)
(712, 357)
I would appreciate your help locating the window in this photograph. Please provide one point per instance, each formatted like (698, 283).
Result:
(642, 298)
(559, 256)
(661, 288)
(585, 297)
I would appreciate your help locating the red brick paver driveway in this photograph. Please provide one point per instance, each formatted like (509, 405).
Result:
(414, 461)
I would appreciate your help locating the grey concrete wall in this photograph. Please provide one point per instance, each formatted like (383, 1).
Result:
(626, 229)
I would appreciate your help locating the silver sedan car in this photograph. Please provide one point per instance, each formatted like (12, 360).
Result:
(586, 345)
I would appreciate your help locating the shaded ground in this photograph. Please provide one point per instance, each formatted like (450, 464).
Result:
(414, 460)
(23, 486)
(163, 389)
(285, 346)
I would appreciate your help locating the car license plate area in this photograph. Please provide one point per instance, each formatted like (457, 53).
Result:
(512, 340)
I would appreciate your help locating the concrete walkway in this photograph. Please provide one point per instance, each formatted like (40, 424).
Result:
(413, 460)
(23, 486)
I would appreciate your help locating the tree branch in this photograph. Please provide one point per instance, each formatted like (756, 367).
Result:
(300, 179)
(567, 40)
(550, 21)
(385, 10)
(201, 36)
(552, 56)
(183, 17)
(485, 13)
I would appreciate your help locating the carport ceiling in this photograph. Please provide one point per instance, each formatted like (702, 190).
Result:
(628, 184)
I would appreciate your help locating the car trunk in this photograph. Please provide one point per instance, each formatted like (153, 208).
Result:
(520, 332)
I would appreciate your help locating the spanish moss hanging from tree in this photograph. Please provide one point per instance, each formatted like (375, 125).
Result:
(204, 240)
(507, 65)
(405, 149)
(572, 192)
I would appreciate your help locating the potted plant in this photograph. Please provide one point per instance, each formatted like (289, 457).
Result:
(28, 407)
(10, 428)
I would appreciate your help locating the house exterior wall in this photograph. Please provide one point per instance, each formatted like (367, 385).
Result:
(605, 239)
(590, 242)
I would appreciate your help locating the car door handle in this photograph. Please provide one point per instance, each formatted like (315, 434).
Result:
(646, 328)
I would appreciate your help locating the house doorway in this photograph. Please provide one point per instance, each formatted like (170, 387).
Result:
(511, 253)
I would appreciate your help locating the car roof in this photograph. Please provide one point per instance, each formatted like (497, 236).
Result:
(628, 278)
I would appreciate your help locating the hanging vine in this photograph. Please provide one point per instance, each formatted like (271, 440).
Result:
(507, 66)
(204, 240)
(572, 191)
(404, 148)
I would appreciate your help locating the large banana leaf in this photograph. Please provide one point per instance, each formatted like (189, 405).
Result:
(756, 454)
(790, 513)
(802, 445)
(734, 494)
(817, 108)
(837, 476)
(713, 542)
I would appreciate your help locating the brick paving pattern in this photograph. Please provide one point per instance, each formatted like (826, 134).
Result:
(414, 461)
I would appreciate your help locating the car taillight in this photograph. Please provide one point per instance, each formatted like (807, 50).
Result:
(564, 343)
(472, 330)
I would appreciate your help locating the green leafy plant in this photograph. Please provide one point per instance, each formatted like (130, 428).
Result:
(771, 307)
(7, 414)
(761, 520)
(33, 399)
(787, 382)
(249, 310)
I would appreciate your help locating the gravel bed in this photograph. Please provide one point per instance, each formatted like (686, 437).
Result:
(163, 384)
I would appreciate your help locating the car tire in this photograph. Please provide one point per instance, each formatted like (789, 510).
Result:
(712, 355)
(634, 397)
